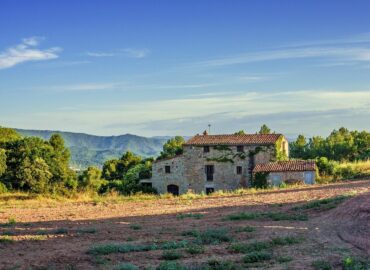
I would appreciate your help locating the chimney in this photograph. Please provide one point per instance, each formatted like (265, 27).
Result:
(205, 133)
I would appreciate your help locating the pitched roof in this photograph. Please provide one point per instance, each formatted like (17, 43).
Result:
(231, 139)
(286, 166)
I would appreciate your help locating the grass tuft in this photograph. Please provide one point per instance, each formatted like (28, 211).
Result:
(195, 249)
(321, 265)
(135, 227)
(257, 256)
(285, 240)
(322, 205)
(275, 216)
(210, 236)
(250, 247)
(171, 255)
(189, 215)
(125, 266)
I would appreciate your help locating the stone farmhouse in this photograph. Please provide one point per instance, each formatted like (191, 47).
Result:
(228, 162)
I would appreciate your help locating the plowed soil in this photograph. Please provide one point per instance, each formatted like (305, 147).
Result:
(59, 235)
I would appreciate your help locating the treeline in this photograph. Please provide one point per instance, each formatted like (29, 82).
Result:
(341, 145)
(337, 156)
(42, 166)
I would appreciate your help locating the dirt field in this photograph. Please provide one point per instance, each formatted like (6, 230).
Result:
(278, 229)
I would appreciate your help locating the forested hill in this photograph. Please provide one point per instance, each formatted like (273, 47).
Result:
(89, 150)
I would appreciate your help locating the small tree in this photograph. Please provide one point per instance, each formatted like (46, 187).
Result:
(172, 147)
(2, 161)
(240, 132)
(264, 129)
(91, 179)
(35, 174)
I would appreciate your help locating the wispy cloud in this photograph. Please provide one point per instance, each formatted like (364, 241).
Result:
(349, 54)
(127, 52)
(136, 53)
(100, 54)
(26, 51)
(84, 87)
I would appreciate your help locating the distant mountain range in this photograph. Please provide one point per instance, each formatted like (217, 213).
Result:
(90, 150)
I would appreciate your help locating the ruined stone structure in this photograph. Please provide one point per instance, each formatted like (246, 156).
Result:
(217, 162)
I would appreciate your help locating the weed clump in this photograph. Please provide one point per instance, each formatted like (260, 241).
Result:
(257, 256)
(171, 255)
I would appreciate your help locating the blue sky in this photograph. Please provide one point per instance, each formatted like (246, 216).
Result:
(172, 67)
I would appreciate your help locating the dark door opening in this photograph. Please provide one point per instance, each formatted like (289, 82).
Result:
(209, 190)
(173, 189)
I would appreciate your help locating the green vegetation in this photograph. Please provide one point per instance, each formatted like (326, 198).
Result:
(87, 230)
(352, 263)
(105, 249)
(171, 255)
(6, 239)
(285, 240)
(190, 215)
(324, 204)
(125, 266)
(250, 247)
(246, 229)
(135, 227)
(172, 148)
(275, 216)
(259, 180)
(284, 259)
(170, 265)
(321, 265)
(210, 236)
(257, 256)
(195, 249)
(340, 146)
(219, 265)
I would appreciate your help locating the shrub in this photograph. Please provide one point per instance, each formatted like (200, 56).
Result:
(286, 240)
(210, 236)
(61, 231)
(125, 266)
(350, 263)
(246, 229)
(3, 188)
(171, 255)
(275, 216)
(257, 256)
(250, 247)
(283, 259)
(190, 215)
(135, 227)
(321, 265)
(220, 265)
(323, 204)
(86, 230)
(259, 180)
(171, 266)
(195, 249)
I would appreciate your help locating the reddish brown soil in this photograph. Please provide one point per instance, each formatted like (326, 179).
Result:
(329, 235)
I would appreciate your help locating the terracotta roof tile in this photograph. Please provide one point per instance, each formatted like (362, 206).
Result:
(232, 139)
(286, 166)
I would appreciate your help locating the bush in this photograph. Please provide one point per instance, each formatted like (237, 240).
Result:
(171, 255)
(125, 266)
(259, 180)
(171, 266)
(3, 188)
(350, 263)
(321, 265)
(195, 249)
(257, 256)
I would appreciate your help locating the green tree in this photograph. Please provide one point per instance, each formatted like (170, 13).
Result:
(2, 161)
(299, 147)
(91, 179)
(240, 132)
(172, 147)
(115, 169)
(8, 135)
(264, 129)
(34, 174)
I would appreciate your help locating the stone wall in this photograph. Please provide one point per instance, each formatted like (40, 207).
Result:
(225, 176)
(276, 178)
(161, 179)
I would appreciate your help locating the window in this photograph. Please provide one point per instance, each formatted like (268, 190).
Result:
(206, 149)
(167, 169)
(209, 190)
(240, 148)
(239, 169)
(210, 169)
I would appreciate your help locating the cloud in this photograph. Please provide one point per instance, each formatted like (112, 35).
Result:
(25, 52)
(100, 54)
(136, 53)
(352, 54)
(85, 87)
